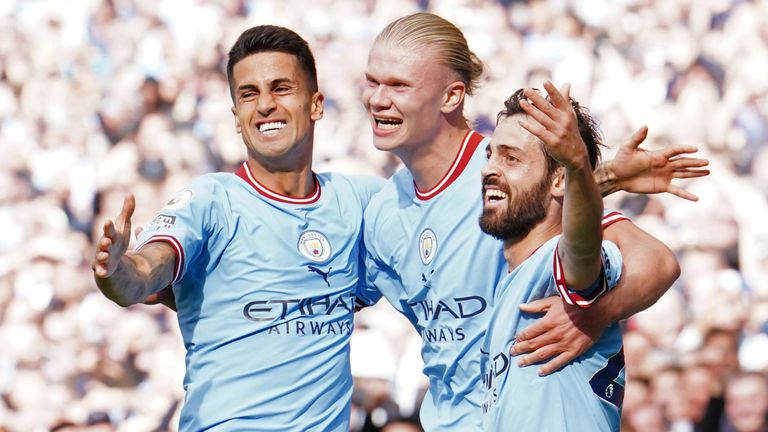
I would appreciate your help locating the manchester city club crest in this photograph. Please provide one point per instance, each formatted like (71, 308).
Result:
(315, 246)
(427, 246)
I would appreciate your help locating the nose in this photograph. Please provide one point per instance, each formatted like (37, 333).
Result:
(266, 104)
(490, 168)
(377, 97)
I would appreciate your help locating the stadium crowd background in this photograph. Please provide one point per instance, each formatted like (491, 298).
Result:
(103, 97)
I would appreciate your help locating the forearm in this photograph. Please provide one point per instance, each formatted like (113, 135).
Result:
(138, 275)
(607, 182)
(581, 241)
(649, 270)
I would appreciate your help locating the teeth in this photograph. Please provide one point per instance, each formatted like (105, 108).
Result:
(271, 126)
(495, 194)
(388, 124)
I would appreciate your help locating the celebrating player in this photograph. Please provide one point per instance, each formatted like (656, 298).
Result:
(427, 255)
(263, 261)
(540, 199)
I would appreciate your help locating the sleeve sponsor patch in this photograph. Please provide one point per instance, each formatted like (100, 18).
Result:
(162, 221)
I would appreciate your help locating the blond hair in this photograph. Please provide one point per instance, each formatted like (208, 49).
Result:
(426, 30)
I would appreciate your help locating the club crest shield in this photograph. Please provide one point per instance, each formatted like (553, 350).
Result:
(315, 246)
(427, 246)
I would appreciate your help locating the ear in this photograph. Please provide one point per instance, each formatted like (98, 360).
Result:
(454, 97)
(237, 119)
(316, 112)
(557, 185)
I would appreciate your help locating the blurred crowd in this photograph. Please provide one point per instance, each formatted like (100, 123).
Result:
(99, 98)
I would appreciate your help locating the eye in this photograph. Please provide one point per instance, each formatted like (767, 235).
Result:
(510, 159)
(247, 94)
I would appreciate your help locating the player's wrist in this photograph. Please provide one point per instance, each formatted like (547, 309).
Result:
(606, 179)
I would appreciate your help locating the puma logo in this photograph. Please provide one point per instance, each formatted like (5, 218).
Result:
(314, 269)
(424, 277)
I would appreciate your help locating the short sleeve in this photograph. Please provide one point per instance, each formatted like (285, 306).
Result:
(184, 224)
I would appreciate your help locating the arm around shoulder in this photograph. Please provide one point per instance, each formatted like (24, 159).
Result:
(650, 268)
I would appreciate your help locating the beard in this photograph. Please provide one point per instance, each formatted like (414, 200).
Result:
(522, 214)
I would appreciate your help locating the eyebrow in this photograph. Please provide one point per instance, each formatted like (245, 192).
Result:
(505, 147)
(273, 83)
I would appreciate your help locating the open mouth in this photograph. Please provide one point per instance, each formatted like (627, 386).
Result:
(387, 123)
(271, 128)
(494, 195)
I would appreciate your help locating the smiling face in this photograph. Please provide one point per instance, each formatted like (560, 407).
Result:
(275, 108)
(406, 96)
(516, 182)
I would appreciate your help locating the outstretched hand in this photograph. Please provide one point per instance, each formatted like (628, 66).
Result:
(114, 240)
(562, 334)
(642, 171)
(554, 122)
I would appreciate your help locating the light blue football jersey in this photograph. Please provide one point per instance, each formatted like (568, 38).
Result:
(586, 394)
(265, 288)
(429, 258)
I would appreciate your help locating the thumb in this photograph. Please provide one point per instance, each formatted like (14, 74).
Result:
(537, 306)
(637, 138)
(124, 220)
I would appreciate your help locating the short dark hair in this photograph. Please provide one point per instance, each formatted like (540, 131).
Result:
(588, 129)
(265, 38)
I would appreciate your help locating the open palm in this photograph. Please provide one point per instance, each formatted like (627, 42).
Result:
(642, 171)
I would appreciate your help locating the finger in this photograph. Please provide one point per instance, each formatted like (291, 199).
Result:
(109, 229)
(541, 103)
(684, 162)
(538, 356)
(558, 100)
(100, 271)
(538, 131)
(129, 205)
(102, 257)
(690, 174)
(674, 190)
(542, 118)
(542, 339)
(137, 231)
(532, 337)
(637, 138)
(556, 363)
(105, 243)
(538, 306)
(678, 150)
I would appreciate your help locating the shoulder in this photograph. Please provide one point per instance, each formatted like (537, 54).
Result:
(208, 191)
(363, 186)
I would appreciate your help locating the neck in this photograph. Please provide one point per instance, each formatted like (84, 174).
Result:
(296, 181)
(429, 162)
(518, 250)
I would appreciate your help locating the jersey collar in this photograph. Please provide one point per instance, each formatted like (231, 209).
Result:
(468, 147)
(244, 173)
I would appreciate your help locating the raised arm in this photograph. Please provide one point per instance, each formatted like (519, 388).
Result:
(640, 171)
(554, 122)
(124, 277)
